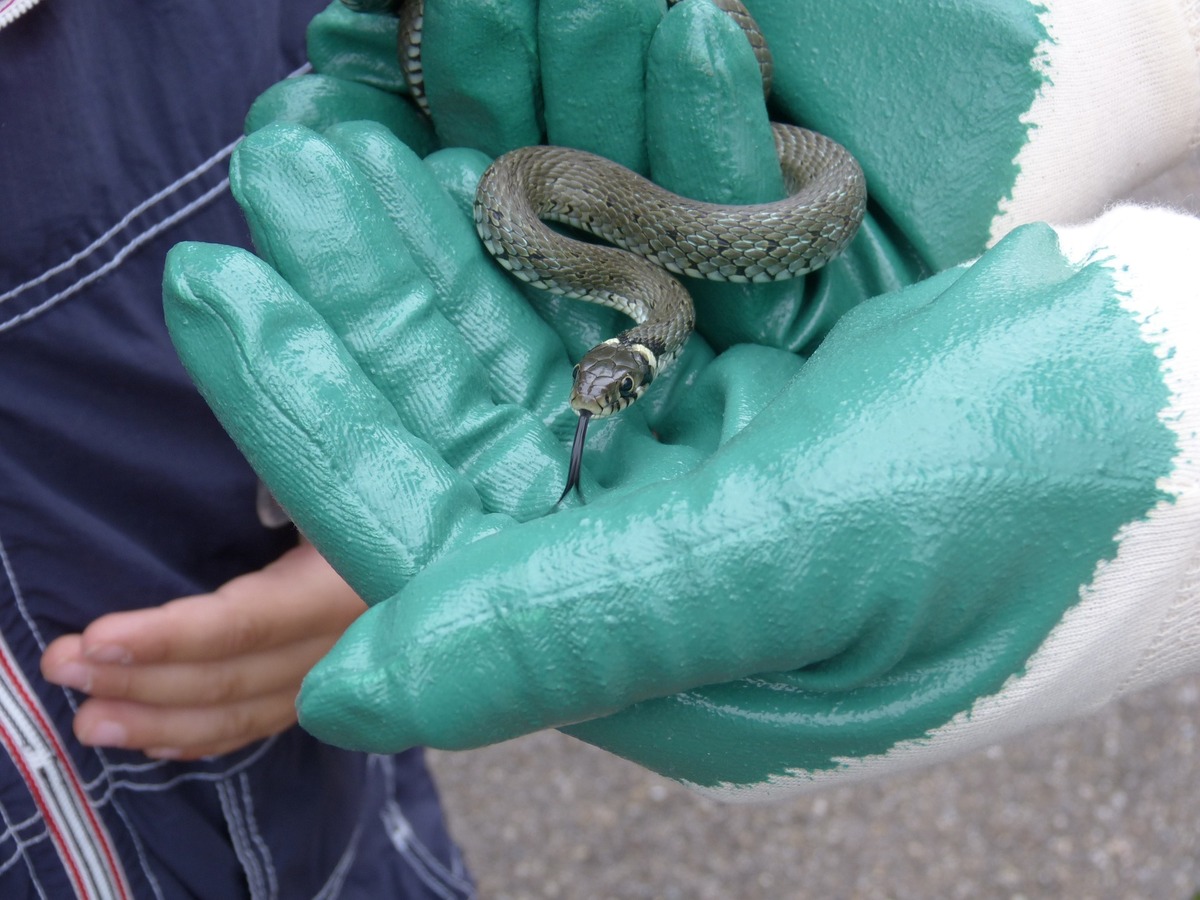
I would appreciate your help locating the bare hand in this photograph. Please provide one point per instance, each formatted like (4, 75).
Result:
(206, 674)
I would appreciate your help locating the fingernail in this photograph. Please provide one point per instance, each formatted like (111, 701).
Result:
(108, 654)
(72, 675)
(106, 734)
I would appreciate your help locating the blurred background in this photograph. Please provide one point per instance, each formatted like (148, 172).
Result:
(1105, 807)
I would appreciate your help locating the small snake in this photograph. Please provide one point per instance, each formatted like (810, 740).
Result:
(668, 233)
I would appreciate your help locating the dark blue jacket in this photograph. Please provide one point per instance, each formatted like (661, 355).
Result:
(118, 490)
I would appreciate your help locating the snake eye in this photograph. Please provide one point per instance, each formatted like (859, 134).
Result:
(575, 373)
(626, 386)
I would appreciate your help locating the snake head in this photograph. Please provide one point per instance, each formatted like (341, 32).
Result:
(610, 377)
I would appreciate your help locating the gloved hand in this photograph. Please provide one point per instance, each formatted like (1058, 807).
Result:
(903, 524)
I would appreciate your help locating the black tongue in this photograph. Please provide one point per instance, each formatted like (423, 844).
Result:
(576, 454)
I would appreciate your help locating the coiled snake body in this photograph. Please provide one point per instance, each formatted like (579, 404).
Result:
(668, 233)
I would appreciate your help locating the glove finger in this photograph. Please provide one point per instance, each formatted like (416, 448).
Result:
(358, 47)
(591, 54)
(707, 121)
(710, 139)
(319, 101)
(313, 216)
(522, 356)
(481, 73)
(311, 423)
(606, 597)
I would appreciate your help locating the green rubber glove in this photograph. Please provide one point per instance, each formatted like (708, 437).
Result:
(905, 525)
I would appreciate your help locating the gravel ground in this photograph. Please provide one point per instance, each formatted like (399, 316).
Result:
(1100, 808)
(1105, 807)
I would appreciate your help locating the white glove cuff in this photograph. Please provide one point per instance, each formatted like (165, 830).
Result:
(1121, 104)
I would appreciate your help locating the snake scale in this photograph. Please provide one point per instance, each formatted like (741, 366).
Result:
(658, 232)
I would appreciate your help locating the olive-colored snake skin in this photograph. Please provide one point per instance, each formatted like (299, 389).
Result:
(668, 233)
